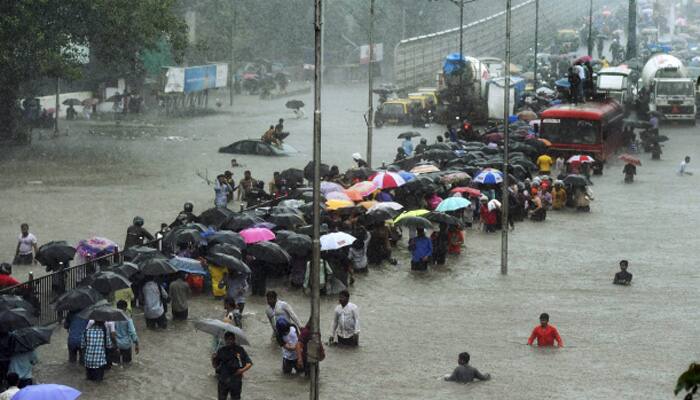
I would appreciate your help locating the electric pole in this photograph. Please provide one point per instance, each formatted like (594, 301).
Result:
(370, 111)
(632, 30)
(506, 139)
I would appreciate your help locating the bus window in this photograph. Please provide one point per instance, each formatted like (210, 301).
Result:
(571, 131)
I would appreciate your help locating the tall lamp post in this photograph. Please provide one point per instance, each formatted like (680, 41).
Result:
(506, 139)
(231, 71)
(590, 28)
(632, 30)
(315, 342)
(537, 30)
(370, 111)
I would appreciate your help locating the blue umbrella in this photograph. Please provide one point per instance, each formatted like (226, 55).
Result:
(563, 83)
(407, 176)
(489, 177)
(452, 204)
(47, 392)
(189, 265)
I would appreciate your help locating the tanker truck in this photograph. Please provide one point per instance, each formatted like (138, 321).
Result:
(667, 89)
(461, 89)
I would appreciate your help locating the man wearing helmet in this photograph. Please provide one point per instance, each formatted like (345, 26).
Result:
(136, 234)
(185, 217)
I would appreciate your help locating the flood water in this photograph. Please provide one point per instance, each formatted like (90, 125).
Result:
(622, 342)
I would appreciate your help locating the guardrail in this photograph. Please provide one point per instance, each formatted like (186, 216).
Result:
(418, 60)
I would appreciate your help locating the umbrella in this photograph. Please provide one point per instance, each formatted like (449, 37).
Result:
(353, 195)
(126, 268)
(494, 205)
(242, 221)
(382, 214)
(583, 59)
(95, 247)
(368, 204)
(15, 318)
(90, 102)
(269, 252)
(255, 235)
(225, 248)
(183, 235)
(218, 328)
(388, 180)
(415, 222)
(292, 175)
(359, 173)
(576, 180)
(46, 392)
(455, 177)
(309, 170)
(140, 253)
(189, 265)
(227, 261)
(365, 188)
(28, 339)
(157, 266)
(328, 187)
(107, 282)
(442, 218)
(630, 159)
(424, 169)
(527, 115)
(412, 213)
(452, 204)
(387, 204)
(438, 155)
(563, 83)
(72, 102)
(336, 240)
(10, 301)
(472, 192)
(226, 237)
(292, 204)
(264, 225)
(658, 138)
(338, 204)
(341, 196)
(77, 299)
(294, 104)
(53, 253)
(408, 135)
(493, 137)
(103, 311)
(580, 158)
(407, 176)
(489, 176)
(295, 243)
(287, 220)
(216, 217)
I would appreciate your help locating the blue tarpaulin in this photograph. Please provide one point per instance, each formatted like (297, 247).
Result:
(453, 64)
(200, 78)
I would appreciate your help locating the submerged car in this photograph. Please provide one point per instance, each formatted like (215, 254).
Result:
(257, 147)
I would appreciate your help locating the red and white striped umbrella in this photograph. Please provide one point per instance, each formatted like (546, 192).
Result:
(388, 180)
(580, 158)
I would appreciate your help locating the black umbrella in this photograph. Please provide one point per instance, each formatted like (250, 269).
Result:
(294, 104)
(228, 237)
(269, 252)
(309, 229)
(184, 236)
(658, 138)
(242, 221)
(276, 210)
(103, 311)
(359, 173)
(292, 175)
(381, 214)
(216, 217)
(141, 252)
(576, 180)
(309, 170)
(225, 248)
(106, 282)
(54, 253)
(126, 269)
(438, 154)
(72, 102)
(442, 218)
(15, 318)
(415, 222)
(77, 299)
(294, 243)
(440, 146)
(157, 266)
(230, 262)
(28, 339)
(408, 135)
(287, 220)
(10, 301)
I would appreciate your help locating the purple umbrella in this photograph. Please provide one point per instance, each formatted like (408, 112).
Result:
(328, 187)
(47, 392)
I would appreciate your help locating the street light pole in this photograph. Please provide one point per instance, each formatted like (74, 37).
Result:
(537, 30)
(370, 111)
(461, 28)
(632, 30)
(590, 28)
(231, 72)
(315, 342)
(506, 139)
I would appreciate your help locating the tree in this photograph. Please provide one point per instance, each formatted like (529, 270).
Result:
(39, 39)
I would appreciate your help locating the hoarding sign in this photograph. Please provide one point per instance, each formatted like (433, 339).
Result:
(200, 78)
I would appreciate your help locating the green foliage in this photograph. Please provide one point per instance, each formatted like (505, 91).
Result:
(689, 381)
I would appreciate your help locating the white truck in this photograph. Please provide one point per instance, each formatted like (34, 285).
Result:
(668, 89)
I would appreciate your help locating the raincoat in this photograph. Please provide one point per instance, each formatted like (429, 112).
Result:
(217, 274)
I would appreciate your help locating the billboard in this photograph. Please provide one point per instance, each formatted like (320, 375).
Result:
(200, 78)
(196, 79)
(174, 80)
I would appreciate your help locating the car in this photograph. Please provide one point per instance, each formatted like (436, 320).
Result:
(257, 147)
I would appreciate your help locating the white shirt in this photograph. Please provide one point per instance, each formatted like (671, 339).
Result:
(290, 340)
(9, 393)
(26, 244)
(282, 309)
(346, 321)
(681, 170)
(580, 71)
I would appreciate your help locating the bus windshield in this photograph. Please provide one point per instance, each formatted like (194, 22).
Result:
(570, 131)
(674, 88)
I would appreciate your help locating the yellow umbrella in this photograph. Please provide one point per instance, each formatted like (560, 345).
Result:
(425, 169)
(337, 204)
(414, 213)
(368, 204)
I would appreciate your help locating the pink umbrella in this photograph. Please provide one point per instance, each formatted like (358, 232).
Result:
(388, 180)
(338, 196)
(583, 59)
(255, 235)
(365, 188)
(328, 187)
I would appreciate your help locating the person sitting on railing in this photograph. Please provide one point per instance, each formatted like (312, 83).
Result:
(136, 234)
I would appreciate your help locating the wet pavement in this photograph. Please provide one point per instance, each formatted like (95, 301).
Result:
(622, 342)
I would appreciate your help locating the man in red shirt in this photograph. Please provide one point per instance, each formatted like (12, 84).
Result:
(545, 334)
(5, 279)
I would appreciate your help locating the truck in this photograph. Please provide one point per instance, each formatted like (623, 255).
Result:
(667, 89)
(616, 84)
(462, 89)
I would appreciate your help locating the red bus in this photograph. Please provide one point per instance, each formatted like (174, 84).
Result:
(592, 128)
